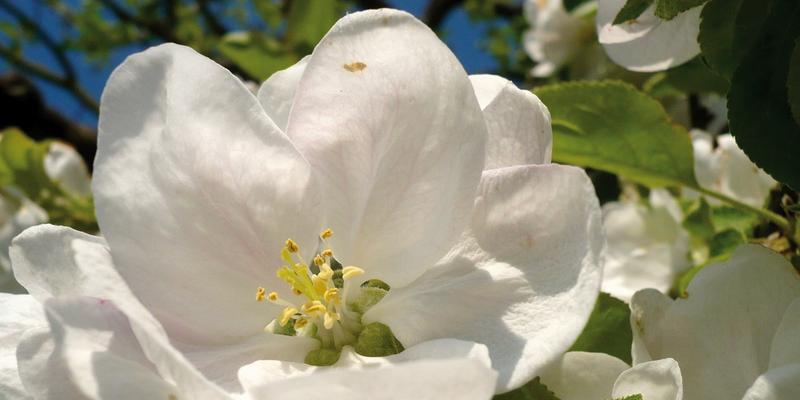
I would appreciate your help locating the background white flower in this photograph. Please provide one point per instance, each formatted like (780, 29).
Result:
(648, 43)
(197, 187)
(646, 245)
(720, 165)
(597, 376)
(736, 333)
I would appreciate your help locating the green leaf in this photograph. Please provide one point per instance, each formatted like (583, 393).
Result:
(533, 390)
(608, 330)
(24, 159)
(722, 244)
(612, 126)
(571, 5)
(669, 9)
(632, 10)
(692, 77)
(698, 221)
(793, 82)
(726, 217)
(631, 397)
(309, 21)
(257, 55)
(758, 104)
(728, 28)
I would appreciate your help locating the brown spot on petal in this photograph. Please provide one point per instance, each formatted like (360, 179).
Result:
(355, 66)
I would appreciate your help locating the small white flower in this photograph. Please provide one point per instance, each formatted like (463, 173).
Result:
(558, 38)
(646, 245)
(597, 376)
(735, 336)
(648, 43)
(726, 169)
(378, 135)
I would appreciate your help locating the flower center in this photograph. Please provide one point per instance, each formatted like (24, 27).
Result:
(329, 305)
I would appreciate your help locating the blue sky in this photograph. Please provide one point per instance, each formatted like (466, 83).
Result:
(463, 37)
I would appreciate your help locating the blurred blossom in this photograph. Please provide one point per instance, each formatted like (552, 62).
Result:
(598, 376)
(720, 165)
(736, 335)
(454, 245)
(647, 246)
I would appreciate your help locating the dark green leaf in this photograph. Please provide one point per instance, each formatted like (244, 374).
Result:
(612, 126)
(631, 10)
(570, 5)
(669, 9)
(533, 390)
(309, 21)
(608, 330)
(692, 77)
(723, 243)
(631, 397)
(728, 28)
(726, 217)
(758, 104)
(793, 82)
(698, 220)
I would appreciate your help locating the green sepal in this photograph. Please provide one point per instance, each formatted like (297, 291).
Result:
(287, 330)
(631, 397)
(376, 283)
(322, 357)
(377, 340)
(368, 297)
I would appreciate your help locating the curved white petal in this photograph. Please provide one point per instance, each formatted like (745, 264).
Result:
(66, 167)
(196, 186)
(423, 379)
(654, 380)
(388, 119)
(556, 36)
(648, 43)
(20, 313)
(737, 304)
(517, 121)
(16, 215)
(276, 94)
(263, 372)
(55, 261)
(647, 247)
(786, 343)
(522, 281)
(88, 352)
(777, 384)
(583, 376)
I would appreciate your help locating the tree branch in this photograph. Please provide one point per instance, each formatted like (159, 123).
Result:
(371, 4)
(58, 52)
(40, 71)
(211, 20)
(437, 11)
(154, 27)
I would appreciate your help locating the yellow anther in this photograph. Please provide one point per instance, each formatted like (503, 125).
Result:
(292, 246)
(320, 285)
(300, 323)
(329, 319)
(351, 272)
(327, 253)
(260, 294)
(287, 314)
(318, 260)
(325, 271)
(272, 296)
(296, 292)
(326, 233)
(331, 295)
(314, 308)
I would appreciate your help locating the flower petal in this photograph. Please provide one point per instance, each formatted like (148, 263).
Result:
(424, 379)
(276, 94)
(522, 281)
(776, 384)
(654, 380)
(517, 121)
(737, 304)
(55, 261)
(647, 246)
(196, 191)
(267, 371)
(64, 165)
(89, 352)
(15, 219)
(786, 343)
(388, 119)
(21, 313)
(580, 375)
(648, 43)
